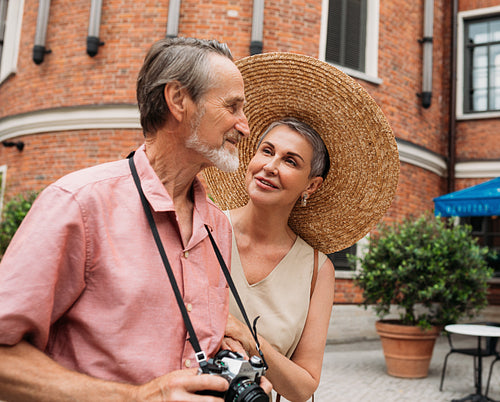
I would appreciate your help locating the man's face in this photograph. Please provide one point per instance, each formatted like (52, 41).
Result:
(219, 122)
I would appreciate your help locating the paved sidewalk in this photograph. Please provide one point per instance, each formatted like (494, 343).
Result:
(356, 372)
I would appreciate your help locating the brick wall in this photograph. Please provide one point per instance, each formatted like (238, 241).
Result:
(47, 157)
(69, 77)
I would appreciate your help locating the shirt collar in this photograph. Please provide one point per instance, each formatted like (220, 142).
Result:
(156, 193)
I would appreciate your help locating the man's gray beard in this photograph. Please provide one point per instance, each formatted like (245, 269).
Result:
(222, 158)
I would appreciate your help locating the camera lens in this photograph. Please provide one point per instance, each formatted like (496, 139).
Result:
(245, 390)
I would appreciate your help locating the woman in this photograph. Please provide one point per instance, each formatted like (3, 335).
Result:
(267, 254)
(284, 203)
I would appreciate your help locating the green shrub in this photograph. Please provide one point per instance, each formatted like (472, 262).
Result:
(433, 271)
(13, 213)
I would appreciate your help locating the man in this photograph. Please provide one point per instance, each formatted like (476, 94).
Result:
(86, 308)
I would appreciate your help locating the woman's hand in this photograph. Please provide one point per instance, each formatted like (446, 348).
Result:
(234, 346)
(237, 332)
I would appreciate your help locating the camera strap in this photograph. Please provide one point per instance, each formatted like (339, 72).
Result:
(201, 357)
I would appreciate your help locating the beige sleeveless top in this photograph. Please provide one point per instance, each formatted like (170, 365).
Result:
(281, 299)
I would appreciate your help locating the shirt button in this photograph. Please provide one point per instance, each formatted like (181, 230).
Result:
(186, 254)
(187, 363)
(189, 307)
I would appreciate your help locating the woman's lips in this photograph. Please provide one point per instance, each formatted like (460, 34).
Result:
(265, 182)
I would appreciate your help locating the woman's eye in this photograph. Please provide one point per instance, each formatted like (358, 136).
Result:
(291, 162)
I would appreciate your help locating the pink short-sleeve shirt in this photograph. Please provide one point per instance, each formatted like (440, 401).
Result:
(83, 281)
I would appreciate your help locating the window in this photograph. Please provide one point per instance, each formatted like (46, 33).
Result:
(349, 36)
(340, 261)
(3, 19)
(487, 230)
(478, 63)
(346, 37)
(11, 14)
(3, 173)
(482, 65)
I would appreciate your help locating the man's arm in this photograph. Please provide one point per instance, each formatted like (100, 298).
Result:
(27, 374)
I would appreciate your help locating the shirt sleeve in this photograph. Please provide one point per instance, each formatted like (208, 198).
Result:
(43, 270)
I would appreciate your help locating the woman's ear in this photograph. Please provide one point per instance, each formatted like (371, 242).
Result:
(175, 97)
(314, 184)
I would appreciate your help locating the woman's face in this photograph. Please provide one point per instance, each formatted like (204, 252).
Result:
(279, 171)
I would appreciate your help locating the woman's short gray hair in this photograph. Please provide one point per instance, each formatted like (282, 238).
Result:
(174, 59)
(320, 164)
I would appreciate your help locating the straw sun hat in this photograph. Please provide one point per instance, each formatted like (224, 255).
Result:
(364, 161)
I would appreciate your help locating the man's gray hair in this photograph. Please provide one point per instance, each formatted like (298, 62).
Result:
(320, 164)
(184, 60)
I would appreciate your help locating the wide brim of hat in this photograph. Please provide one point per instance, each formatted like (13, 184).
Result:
(364, 159)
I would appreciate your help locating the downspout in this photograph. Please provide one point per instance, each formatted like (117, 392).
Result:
(93, 41)
(174, 7)
(42, 21)
(427, 39)
(256, 44)
(453, 100)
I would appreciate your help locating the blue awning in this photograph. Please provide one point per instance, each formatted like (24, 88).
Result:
(480, 200)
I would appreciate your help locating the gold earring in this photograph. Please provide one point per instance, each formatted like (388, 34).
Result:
(304, 200)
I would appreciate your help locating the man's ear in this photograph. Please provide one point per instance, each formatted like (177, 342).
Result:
(176, 97)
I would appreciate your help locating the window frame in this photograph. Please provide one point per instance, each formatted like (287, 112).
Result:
(12, 38)
(370, 73)
(463, 18)
(361, 249)
(485, 235)
(3, 180)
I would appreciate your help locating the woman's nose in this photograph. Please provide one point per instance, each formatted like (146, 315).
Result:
(271, 166)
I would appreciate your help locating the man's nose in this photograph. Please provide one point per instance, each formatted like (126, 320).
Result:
(242, 126)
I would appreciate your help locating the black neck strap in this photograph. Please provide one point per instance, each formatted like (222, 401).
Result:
(193, 339)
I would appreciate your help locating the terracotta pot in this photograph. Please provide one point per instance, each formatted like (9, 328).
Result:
(407, 349)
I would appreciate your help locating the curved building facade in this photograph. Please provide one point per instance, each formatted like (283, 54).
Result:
(63, 109)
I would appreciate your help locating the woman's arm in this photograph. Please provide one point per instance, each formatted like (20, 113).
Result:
(297, 378)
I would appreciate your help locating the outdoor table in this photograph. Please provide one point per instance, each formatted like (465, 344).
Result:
(479, 331)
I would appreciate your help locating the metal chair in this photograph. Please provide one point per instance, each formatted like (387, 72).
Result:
(489, 349)
(497, 358)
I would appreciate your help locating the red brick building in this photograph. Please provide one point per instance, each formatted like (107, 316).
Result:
(71, 110)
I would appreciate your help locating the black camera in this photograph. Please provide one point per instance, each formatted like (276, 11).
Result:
(243, 377)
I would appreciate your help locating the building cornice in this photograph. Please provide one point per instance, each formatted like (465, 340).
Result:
(477, 169)
(69, 119)
(103, 117)
(421, 157)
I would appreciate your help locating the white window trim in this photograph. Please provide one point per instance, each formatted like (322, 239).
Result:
(461, 17)
(3, 173)
(12, 39)
(361, 250)
(371, 50)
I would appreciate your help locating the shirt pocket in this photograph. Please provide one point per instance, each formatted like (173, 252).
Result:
(218, 303)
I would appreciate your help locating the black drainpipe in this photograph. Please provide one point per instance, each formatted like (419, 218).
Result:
(453, 100)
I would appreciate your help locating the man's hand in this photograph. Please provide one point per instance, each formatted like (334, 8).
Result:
(181, 385)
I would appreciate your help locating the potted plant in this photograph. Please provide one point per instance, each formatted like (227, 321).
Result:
(434, 272)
